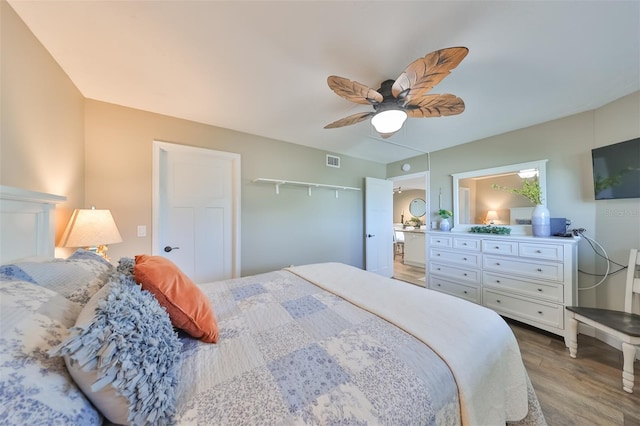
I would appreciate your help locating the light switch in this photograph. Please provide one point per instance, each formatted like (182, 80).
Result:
(142, 231)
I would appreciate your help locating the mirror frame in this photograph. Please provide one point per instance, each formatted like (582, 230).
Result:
(423, 210)
(541, 165)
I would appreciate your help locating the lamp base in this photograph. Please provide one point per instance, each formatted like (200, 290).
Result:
(100, 250)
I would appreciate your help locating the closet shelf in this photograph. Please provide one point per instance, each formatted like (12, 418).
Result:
(278, 182)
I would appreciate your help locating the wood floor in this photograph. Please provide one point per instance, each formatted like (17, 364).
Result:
(407, 273)
(582, 391)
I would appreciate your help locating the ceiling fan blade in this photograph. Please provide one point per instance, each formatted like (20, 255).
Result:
(435, 106)
(424, 73)
(352, 119)
(354, 91)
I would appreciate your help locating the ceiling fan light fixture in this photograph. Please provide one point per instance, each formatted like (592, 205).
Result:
(389, 121)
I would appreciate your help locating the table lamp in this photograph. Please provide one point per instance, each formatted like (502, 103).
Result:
(492, 216)
(92, 229)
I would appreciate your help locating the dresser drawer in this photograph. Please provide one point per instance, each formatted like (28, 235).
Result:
(466, 243)
(549, 291)
(457, 257)
(440, 241)
(456, 273)
(517, 307)
(463, 291)
(541, 251)
(500, 247)
(533, 269)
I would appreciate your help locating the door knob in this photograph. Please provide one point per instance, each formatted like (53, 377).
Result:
(370, 235)
(167, 249)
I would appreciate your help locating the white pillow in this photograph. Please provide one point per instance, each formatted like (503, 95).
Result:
(77, 278)
(34, 388)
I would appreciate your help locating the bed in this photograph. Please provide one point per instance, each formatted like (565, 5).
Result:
(87, 342)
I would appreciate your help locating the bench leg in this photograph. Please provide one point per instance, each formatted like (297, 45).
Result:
(571, 338)
(629, 356)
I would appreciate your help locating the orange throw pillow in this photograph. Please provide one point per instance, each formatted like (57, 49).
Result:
(188, 307)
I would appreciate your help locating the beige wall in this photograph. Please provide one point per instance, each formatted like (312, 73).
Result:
(53, 140)
(401, 202)
(277, 230)
(41, 120)
(567, 144)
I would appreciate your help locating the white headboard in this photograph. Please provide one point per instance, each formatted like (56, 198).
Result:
(27, 223)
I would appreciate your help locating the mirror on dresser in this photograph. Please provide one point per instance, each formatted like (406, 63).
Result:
(477, 202)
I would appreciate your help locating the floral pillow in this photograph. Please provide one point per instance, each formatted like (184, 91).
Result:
(34, 388)
(77, 278)
(125, 355)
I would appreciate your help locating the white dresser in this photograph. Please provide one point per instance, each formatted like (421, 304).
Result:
(529, 279)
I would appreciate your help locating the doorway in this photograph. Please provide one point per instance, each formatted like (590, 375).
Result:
(410, 199)
(196, 210)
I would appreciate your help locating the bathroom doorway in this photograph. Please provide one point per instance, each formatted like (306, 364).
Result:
(411, 216)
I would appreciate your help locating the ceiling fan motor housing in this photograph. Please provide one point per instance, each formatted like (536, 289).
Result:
(389, 101)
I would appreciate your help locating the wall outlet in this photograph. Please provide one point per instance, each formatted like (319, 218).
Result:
(142, 231)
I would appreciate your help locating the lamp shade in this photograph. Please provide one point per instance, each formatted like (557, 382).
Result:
(89, 228)
(491, 216)
(389, 121)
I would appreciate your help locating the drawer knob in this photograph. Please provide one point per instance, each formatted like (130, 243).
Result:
(539, 269)
(498, 301)
(497, 247)
(438, 254)
(540, 290)
(464, 258)
(498, 281)
(465, 292)
(465, 274)
(437, 241)
(464, 244)
(439, 285)
(540, 312)
(497, 263)
(438, 269)
(538, 251)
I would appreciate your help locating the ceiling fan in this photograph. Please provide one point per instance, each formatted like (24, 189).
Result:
(407, 96)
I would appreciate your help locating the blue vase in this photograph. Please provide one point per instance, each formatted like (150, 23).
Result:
(541, 221)
(445, 225)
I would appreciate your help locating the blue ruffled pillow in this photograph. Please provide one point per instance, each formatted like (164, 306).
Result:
(124, 354)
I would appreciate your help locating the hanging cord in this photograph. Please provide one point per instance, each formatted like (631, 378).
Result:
(604, 255)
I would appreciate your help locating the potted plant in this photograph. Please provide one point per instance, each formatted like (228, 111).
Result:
(540, 217)
(530, 190)
(444, 222)
(416, 221)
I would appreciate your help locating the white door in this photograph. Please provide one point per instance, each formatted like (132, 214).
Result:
(378, 221)
(196, 210)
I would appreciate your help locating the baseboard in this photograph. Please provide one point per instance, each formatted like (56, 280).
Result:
(603, 337)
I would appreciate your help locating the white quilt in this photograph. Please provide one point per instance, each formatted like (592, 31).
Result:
(475, 342)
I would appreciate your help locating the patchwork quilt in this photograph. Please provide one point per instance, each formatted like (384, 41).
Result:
(293, 353)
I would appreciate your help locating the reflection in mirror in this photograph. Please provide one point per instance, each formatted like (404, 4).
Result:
(478, 199)
(418, 207)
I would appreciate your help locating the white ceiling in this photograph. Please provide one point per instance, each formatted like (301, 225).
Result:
(261, 67)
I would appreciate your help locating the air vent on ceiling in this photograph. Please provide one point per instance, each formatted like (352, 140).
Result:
(333, 161)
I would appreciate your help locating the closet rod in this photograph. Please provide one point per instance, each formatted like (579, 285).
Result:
(278, 182)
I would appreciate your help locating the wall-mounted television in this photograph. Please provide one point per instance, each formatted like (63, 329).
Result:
(616, 170)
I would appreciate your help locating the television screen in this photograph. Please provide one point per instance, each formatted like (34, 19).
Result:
(616, 170)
